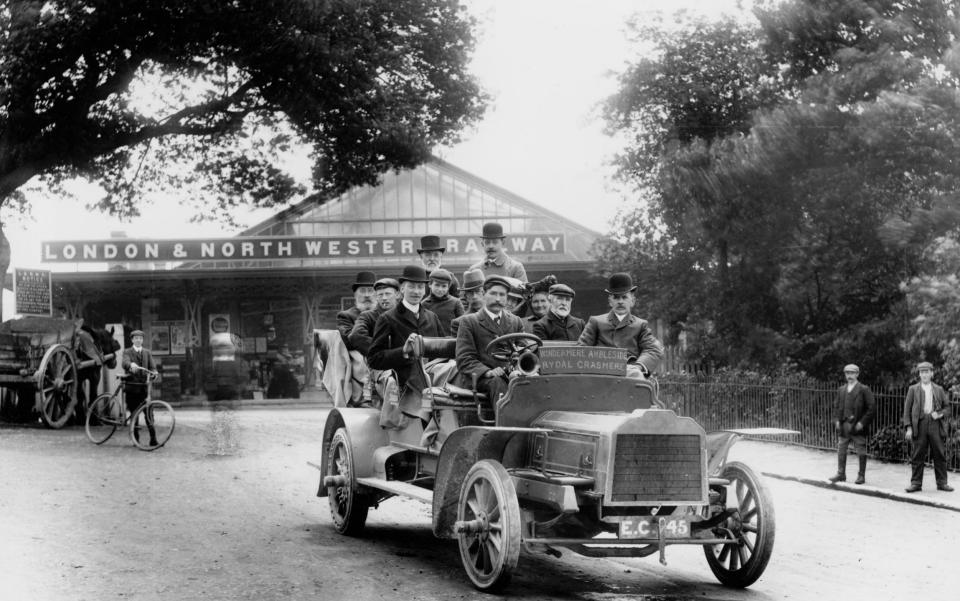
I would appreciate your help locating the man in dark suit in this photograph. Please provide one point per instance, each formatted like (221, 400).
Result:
(923, 413)
(621, 329)
(558, 324)
(391, 333)
(361, 336)
(476, 331)
(363, 298)
(853, 411)
(136, 360)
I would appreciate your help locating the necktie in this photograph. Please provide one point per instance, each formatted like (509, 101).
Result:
(496, 320)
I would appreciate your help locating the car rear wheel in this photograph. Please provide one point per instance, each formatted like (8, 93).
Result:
(752, 527)
(348, 508)
(488, 525)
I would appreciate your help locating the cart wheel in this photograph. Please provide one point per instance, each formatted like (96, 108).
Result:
(488, 524)
(347, 506)
(103, 417)
(57, 384)
(158, 423)
(753, 526)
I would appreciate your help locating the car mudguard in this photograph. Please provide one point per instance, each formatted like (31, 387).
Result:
(463, 448)
(366, 436)
(720, 442)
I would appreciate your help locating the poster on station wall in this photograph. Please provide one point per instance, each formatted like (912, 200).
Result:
(31, 292)
(178, 337)
(160, 338)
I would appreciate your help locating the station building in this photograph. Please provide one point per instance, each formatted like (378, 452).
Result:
(273, 284)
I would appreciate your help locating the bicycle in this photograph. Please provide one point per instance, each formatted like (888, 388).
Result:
(109, 411)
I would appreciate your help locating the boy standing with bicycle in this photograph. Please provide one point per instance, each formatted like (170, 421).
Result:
(139, 364)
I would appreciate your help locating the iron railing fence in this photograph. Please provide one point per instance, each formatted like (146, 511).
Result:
(720, 402)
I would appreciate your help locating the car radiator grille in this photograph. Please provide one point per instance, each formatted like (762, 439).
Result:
(650, 468)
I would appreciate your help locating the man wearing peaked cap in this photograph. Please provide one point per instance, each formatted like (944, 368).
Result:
(924, 413)
(558, 323)
(363, 299)
(621, 329)
(475, 333)
(853, 411)
(361, 335)
(393, 328)
(431, 256)
(497, 262)
(134, 361)
(440, 301)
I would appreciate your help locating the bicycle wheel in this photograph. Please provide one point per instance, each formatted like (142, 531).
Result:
(152, 425)
(103, 417)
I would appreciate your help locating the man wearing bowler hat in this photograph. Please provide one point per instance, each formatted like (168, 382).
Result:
(853, 411)
(363, 299)
(924, 411)
(475, 333)
(393, 328)
(431, 255)
(558, 324)
(621, 329)
(496, 261)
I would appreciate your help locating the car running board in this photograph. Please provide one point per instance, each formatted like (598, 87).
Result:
(398, 488)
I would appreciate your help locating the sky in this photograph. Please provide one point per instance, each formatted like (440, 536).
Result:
(547, 65)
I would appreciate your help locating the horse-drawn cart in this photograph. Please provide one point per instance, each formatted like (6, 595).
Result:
(42, 358)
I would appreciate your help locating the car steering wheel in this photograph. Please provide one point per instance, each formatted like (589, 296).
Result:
(510, 346)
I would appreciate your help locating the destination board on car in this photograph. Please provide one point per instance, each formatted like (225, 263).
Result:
(583, 360)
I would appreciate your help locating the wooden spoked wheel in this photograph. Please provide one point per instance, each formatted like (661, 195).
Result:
(348, 508)
(57, 386)
(488, 524)
(751, 529)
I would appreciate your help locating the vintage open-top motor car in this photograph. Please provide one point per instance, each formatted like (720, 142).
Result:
(574, 456)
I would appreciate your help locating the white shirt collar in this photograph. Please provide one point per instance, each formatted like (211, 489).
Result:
(415, 309)
(493, 316)
(138, 349)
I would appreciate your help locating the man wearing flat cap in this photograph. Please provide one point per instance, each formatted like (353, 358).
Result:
(440, 301)
(363, 299)
(386, 291)
(496, 261)
(853, 411)
(431, 256)
(924, 411)
(393, 328)
(558, 324)
(475, 333)
(621, 329)
(135, 360)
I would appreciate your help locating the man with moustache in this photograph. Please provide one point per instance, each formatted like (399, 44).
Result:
(431, 256)
(472, 297)
(476, 331)
(558, 324)
(363, 298)
(392, 330)
(361, 336)
(924, 411)
(621, 329)
(853, 411)
(496, 261)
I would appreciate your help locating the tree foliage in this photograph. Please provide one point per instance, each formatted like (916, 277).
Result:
(845, 118)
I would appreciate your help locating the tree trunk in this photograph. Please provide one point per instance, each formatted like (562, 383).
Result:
(4, 263)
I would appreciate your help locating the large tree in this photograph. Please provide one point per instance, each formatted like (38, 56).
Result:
(209, 92)
(841, 116)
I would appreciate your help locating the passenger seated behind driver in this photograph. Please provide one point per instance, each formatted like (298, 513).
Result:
(621, 329)
(393, 328)
(475, 333)
(439, 300)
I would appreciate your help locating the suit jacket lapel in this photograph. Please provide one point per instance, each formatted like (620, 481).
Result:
(488, 323)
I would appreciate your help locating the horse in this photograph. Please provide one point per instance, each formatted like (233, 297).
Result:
(93, 343)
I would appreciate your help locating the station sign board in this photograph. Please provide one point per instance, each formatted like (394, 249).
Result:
(32, 292)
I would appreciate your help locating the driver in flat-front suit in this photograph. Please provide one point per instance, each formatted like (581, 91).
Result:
(477, 330)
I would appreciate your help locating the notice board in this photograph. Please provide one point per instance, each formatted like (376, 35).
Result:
(31, 291)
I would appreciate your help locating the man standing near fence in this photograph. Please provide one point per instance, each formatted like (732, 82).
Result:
(923, 413)
(853, 411)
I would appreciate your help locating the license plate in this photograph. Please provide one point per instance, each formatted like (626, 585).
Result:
(651, 526)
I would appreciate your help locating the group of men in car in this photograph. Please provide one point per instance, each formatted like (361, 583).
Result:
(429, 301)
